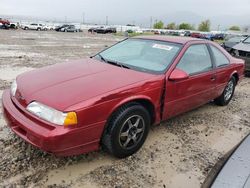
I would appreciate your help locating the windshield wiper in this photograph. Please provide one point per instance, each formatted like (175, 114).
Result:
(116, 63)
(102, 58)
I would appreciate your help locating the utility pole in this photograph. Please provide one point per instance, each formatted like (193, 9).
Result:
(151, 22)
(65, 19)
(107, 20)
(218, 29)
(83, 17)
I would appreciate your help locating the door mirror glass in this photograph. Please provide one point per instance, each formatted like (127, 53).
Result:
(178, 75)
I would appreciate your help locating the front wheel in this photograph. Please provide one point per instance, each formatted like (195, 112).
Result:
(227, 94)
(127, 130)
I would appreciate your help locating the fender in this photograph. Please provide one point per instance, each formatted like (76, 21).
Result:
(130, 99)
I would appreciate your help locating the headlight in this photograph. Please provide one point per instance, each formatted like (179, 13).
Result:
(52, 115)
(13, 88)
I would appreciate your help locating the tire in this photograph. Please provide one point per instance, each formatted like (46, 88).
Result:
(227, 94)
(38, 29)
(127, 130)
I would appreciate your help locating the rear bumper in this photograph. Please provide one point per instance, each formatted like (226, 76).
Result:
(51, 138)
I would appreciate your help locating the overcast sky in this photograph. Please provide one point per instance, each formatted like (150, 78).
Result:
(220, 12)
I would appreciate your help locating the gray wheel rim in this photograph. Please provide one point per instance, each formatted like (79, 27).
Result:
(229, 90)
(131, 132)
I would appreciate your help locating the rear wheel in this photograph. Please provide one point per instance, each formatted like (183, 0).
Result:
(127, 130)
(227, 94)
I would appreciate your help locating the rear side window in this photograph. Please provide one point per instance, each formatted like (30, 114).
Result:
(196, 59)
(220, 58)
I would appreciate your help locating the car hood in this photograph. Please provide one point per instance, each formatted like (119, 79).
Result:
(66, 84)
(242, 47)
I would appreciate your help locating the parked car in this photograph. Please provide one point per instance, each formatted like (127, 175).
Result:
(187, 34)
(157, 32)
(4, 24)
(196, 35)
(231, 42)
(58, 28)
(92, 29)
(242, 50)
(103, 30)
(32, 26)
(233, 171)
(47, 27)
(219, 36)
(13, 26)
(113, 98)
(70, 28)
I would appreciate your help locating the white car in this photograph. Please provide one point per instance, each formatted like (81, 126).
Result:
(33, 26)
(139, 31)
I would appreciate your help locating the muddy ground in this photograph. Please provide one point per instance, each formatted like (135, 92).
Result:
(178, 153)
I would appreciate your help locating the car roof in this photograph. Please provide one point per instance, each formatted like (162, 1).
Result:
(173, 39)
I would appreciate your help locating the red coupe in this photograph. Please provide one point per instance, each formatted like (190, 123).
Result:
(112, 98)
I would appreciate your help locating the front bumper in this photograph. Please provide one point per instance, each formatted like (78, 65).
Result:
(48, 137)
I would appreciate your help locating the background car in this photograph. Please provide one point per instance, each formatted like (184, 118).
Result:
(242, 50)
(32, 26)
(70, 28)
(4, 24)
(219, 36)
(103, 30)
(58, 28)
(231, 42)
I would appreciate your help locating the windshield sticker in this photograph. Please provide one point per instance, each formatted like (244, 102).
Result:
(163, 47)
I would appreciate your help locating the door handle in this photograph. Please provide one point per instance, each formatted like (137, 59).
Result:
(213, 78)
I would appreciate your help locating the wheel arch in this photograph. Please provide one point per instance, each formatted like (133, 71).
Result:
(235, 75)
(144, 101)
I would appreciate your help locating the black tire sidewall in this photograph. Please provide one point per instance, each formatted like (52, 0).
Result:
(117, 125)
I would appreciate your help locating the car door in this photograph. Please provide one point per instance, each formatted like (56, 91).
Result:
(223, 71)
(198, 88)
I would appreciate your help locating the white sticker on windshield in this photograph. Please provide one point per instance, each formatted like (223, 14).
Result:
(163, 47)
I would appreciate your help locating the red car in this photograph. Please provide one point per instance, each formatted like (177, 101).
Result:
(112, 98)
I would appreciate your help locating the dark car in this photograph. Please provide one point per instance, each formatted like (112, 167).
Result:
(230, 43)
(103, 30)
(60, 27)
(242, 50)
(219, 36)
(70, 28)
(233, 170)
(92, 29)
(113, 98)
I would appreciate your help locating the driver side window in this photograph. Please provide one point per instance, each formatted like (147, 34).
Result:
(196, 60)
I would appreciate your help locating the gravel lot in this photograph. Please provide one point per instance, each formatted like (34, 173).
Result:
(178, 153)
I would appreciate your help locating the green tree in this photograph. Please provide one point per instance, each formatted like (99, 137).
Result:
(158, 25)
(234, 28)
(204, 26)
(171, 26)
(186, 26)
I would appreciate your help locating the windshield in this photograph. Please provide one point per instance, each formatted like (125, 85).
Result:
(141, 54)
(247, 40)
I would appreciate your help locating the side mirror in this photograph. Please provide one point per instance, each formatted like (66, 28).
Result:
(178, 75)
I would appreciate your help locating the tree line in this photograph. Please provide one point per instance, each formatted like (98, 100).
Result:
(203, 26)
